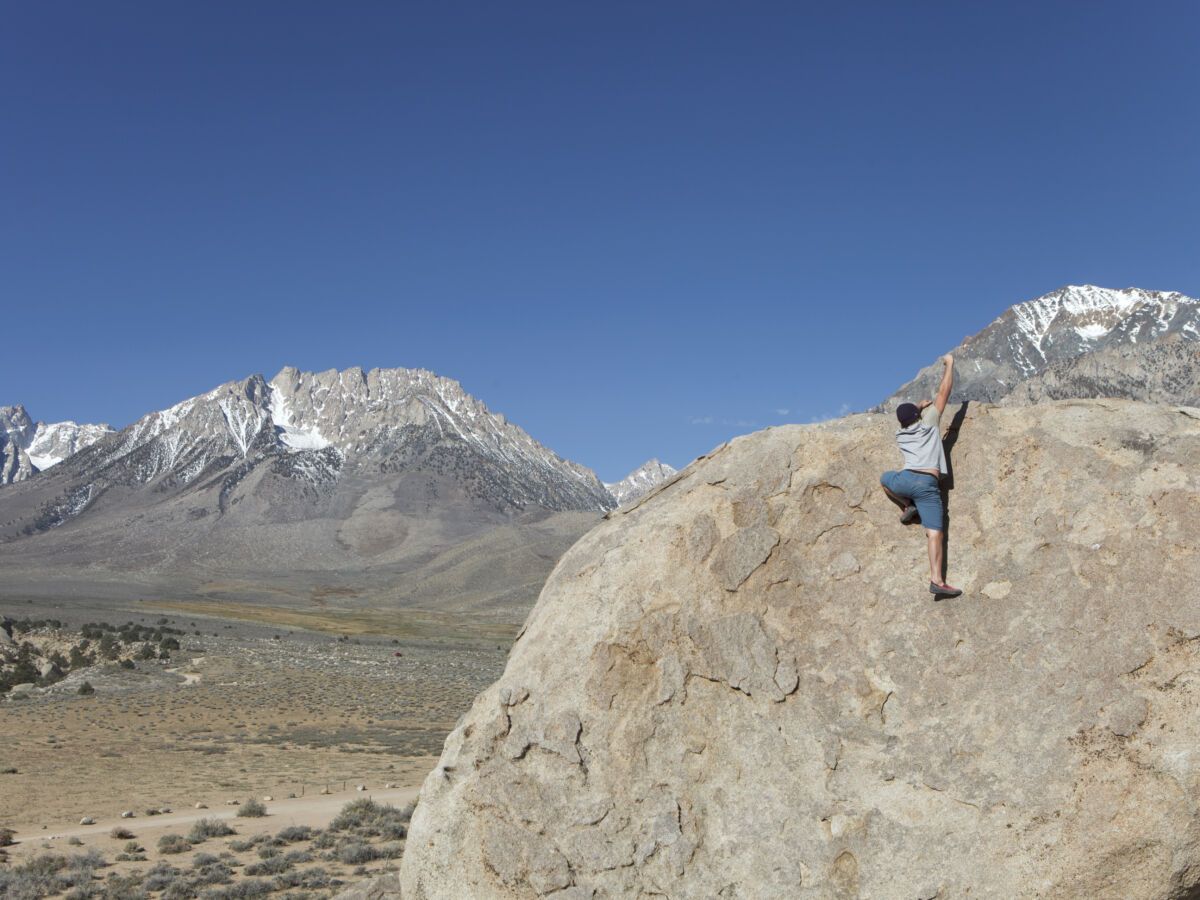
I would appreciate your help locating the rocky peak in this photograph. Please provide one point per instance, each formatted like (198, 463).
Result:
(312, 428)
(1055, 328)
(640, 481)
(28, 447)
(739, 685)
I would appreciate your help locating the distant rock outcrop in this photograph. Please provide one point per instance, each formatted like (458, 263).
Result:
(739, 687)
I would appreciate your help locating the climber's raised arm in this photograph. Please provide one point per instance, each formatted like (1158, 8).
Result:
(943, 394)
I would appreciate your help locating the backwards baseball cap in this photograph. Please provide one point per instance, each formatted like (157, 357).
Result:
(907, 413)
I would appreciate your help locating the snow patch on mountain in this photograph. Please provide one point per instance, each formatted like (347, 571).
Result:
(292, 434)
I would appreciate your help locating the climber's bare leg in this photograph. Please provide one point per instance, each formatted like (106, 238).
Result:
(935, 555)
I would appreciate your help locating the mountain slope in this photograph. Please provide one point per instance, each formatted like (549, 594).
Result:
(1166, 370)
(1054, 329)
(306, 482)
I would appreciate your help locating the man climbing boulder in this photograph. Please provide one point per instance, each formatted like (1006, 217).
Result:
(916, 488)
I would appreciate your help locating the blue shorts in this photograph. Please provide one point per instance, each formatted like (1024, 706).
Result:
(923, 490)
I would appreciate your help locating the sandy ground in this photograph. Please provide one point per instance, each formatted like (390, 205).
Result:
(242, 711)
(315, 811)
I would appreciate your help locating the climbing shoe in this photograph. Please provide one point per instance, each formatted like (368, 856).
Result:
(909, 515)
(942, 591)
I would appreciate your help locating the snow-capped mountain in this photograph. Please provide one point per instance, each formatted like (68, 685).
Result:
(1064, 325)
(28, 447)
(337, 474)
(313, 426)
(640, 481)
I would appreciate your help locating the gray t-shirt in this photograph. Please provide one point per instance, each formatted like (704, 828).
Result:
(921, 442)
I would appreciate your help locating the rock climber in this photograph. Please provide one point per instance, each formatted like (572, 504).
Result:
(916, 488)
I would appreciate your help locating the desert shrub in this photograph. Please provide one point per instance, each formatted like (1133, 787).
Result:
(132, 847)
(86, 688)
(209, 828)
(49, 874)
(366, 817)
(391, 850)
(92, 859)
(160, 877)
(173, 843)
(150, 811)
(251, 887)
(86, 891)
(251, 809)
(249, 844)
(266, 851)
(25, 884)
(124, 887)
(121, 834)
(272, 866)
(6, 837)
(8, 770)
(295, 857)
(203, 859)
(325, 840)
(307, 879)
(127, 664)
(74, 841)
(356, 853)
(215, 872)
(79, 659)
(294, 833)
(108, 647)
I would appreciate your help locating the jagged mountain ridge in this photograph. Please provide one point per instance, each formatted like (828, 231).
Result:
(28, 447)
(1056, 328)
(392, 481)
(640, 481)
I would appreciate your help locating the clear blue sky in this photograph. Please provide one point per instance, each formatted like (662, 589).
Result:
(634, 228)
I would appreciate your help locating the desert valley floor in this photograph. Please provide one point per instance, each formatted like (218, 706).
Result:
(252, 705)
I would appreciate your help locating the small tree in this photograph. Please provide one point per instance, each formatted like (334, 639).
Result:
(86, 688)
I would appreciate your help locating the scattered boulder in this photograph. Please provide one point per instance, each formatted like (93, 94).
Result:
(87, 820)
(47, 669)
(201, 806)
(739, 686)
(127, 814)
